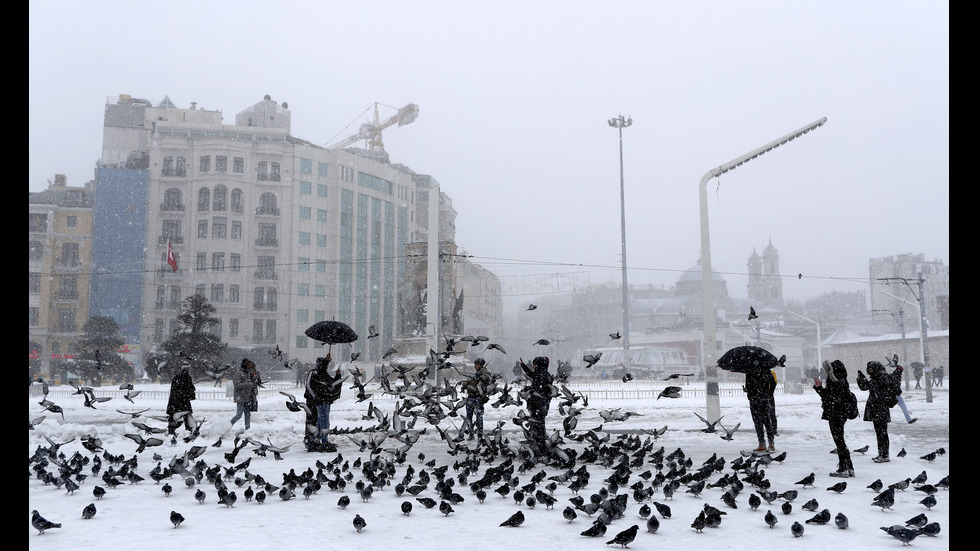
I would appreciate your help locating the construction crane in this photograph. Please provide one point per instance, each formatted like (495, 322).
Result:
(371, 132)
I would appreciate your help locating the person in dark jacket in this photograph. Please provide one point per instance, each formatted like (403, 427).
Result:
(538, 401)
(477, 390)
(879, 383)
(182, 391)
(759, 388)
(246, 381)
(322, 389)
(836, 401)
(917, 373)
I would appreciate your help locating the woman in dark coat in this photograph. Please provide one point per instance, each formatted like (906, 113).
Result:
(246, 381)
(322, 389)
(836, 400)
(182, 391)
(538, 401)
(878, 383)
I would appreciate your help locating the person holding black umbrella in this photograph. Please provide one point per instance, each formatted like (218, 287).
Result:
(322, 390)
(758, 389)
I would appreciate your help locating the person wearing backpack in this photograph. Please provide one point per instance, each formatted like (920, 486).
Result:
(883, 390)
(839, 404)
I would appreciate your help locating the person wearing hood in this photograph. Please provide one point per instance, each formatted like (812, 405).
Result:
(839, 404)
(477, 390)
(881, 387)
(322, 390)
(538, 400)
(246, 383)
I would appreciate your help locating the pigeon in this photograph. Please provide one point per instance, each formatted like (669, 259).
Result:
(343, 502)
(176, 518)
(931, 529)
(597, 530)
(428, 502)
(445, 508)
(89, 511)
(920, 478)
(811, 505)
(789, 495)
(663, 509)
(838, 488)
(41, 523)
(625, 537)
(902, 453)
(754, 501)
(517, 518)
(532, 307)
(406, 508)
(877, 485)
(787, 508)
(752, 314)
(542, 342)
(359, 523)
(260, 496)
(390, 352)
(710, 426)
(821, 518)
(797, 530)
(371, 332)
(927, 488)
(929, 501)
(841, 521)
(678, 376)
(807, 480)
(653, 525)
(901, 533)
(771, 519)
(98, 492)
(200, 495)
(591, 359)
(885, 499)
(700, 522)
(862, 450)
(918, 521)
(615, 336)
(645, 511)
(670, 392)
(901, 484)
(495, 346)
(730, 433)
(167, 488)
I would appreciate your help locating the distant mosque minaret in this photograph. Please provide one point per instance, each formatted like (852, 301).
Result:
(765, 286)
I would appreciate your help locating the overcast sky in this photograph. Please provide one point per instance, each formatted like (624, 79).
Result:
(514, 99)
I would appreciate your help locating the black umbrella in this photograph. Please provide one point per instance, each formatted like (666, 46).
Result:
(331, 332)
(743, 359)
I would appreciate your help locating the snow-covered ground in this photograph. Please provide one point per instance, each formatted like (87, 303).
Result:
(138, 514)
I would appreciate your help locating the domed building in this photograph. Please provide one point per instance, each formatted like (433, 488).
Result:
(688, 290)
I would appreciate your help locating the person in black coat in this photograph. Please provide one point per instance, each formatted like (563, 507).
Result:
(759, 387)
(836, 399)
(878, 383)
(322, 390)
(182, 391)
(538, 401)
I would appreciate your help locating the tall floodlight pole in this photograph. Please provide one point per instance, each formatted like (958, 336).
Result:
(620, 123)
(707, 290)
(923, 342)
(433, 298)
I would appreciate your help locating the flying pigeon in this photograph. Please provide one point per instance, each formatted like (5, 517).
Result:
(532, 306)
(390, 352)
(752, 314)
(371, 332)
(670, 392)
(615, 336)
(591, 359)
(496, 346)
(542, 342)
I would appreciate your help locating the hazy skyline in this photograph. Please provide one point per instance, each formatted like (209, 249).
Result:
(514, 100)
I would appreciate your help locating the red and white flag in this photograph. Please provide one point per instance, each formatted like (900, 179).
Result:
(171, 257)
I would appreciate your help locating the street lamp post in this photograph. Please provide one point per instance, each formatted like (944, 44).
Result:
(707, 291)
(923, 346)
(620, 123)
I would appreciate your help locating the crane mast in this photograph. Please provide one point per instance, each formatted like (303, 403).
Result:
(371, 132)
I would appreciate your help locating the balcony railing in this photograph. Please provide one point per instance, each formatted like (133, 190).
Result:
(175, 239)
(266, 242)
(171, 207)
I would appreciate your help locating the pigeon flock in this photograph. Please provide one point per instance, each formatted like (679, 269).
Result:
(604, 473)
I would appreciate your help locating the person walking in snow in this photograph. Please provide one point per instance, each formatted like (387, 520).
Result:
(182, 392)
(246, 382)
(883, 389)
(839, 404)
(477, 388)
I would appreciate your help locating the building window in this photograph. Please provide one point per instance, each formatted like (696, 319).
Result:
(321, 240)
(321, 215)
(72, 221)
(305, 213)
(321, 290)
(216, 327)
(205, 164)
(34, 283)
(234, 294)
(319, 315)
(236, 262)
(199, 290)
(236, 230)
(68, 287)
(217, 292)
(35, 250)
(220, 198)
(270, 331)
(258, 298)
(303, 289)
(267, 235)
(204, 199)
(306, 166)
(218, 262)
(266, 267)
(237, 201)
(346, 174)
(257, 326)
(304, 238)
(301, 341)
(267, 204)
(221, 163)
(69, 254)
(322, 169)
(202, 261)
(321, 190)
(274, 173)
(66, 321)
(161, 297)
(202, 229)
(168, 167)
(172, 199)
(38, 223)
(302, 315)
(263, 171)
(304, 264)
(181, 169)
(33, 316)
(171, 232)
(239, 165)
(219, 227)
(271, 299)
(174, 303)
(321, 265)
(233, 327)
(306, 188)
